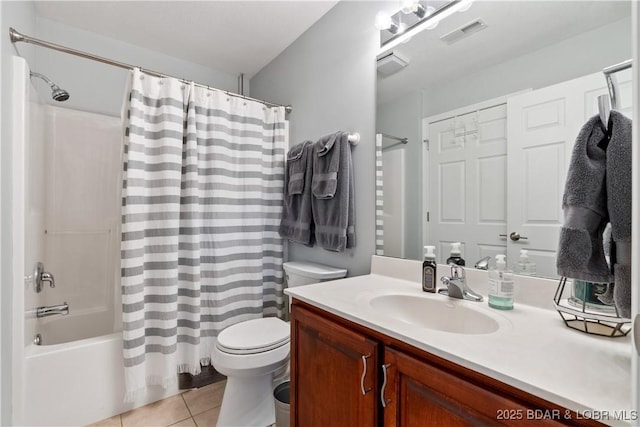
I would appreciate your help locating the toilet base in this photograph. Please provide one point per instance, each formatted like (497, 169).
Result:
(248, 402)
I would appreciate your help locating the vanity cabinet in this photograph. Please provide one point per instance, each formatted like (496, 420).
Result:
(333, 373)
(342, 372)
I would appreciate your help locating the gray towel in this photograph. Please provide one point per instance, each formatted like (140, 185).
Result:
(296, 168)
(297, 219)
(333, 193)
(326, 165)
(619, 207)
(580, 250)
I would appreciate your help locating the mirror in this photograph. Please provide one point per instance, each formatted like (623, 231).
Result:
(492, 174)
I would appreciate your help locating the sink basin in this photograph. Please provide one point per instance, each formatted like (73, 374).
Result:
(445, 315)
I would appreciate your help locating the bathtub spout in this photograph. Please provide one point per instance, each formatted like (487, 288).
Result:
(52, 310)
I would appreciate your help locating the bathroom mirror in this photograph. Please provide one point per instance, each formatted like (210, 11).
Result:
(493, 89)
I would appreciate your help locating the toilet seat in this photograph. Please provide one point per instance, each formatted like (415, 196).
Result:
(254, 336)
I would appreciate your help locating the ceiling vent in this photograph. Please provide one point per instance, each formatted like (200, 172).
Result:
(391, 63)
(464, 31)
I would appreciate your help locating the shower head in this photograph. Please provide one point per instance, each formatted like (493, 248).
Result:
(59, 94)
(56, 93)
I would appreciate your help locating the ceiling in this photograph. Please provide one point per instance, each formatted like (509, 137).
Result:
(230, 36)
(515, 27)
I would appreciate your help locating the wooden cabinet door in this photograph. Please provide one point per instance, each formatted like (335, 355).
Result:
(331, 366)
(419, 394)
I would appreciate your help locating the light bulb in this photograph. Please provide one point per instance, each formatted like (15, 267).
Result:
(464, 5)
(429, 11)
(409, 6)
(383, 20)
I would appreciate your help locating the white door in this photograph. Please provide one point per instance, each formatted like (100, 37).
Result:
(467, 182)
(542, 128)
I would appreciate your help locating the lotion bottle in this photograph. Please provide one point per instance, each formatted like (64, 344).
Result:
(455, 257)
(525, 266)
(501, 285)
(429, 269)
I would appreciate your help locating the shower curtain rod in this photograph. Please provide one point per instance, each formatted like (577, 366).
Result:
(18, 37)
(402, 140)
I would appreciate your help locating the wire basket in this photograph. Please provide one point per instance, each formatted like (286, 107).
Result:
(581, 312)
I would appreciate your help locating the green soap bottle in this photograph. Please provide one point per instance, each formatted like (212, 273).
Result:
(501, 285)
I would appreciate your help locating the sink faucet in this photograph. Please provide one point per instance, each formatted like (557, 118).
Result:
(483, 264)
(457, 285)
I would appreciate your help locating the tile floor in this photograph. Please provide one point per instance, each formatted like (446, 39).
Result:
(193, 408)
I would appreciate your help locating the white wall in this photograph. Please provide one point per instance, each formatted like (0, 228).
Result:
(328, 75)
(99, 88)
(402, 117)
(94, 87)
(577, 56)
(22, 16)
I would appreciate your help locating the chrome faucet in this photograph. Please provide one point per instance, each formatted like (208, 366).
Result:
(483, 264)
(52, 310)
(457, 285)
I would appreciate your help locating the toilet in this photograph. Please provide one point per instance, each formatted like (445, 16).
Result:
(253, 352)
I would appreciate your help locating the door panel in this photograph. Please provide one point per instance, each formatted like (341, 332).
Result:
(467, 163)
(542, 128)
(503, 169)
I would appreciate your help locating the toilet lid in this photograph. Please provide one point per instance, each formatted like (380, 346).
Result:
(254, 336)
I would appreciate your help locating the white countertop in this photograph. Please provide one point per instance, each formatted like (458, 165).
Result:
(533, 350)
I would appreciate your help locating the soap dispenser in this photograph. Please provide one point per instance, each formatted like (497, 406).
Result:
(501, 285)
(455, 257)
(525, 266)
(429, 269)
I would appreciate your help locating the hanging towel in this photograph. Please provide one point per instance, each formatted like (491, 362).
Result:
(619, 207)
(333, 193)
(297, 220)
(580, 249)
(326, 165)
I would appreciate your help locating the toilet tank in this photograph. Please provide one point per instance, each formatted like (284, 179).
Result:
(300, 273)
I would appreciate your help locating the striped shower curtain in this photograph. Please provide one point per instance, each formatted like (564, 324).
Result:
(202, 199)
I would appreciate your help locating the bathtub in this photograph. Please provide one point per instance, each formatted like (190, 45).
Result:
(76, 377)
(78, 382)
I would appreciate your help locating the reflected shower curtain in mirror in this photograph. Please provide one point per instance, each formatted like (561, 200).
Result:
(202, 199)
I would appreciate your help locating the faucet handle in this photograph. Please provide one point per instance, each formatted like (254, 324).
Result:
(40, 276)
(48, 277)
(483, 264)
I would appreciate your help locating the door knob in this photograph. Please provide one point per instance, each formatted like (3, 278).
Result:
(516, 236)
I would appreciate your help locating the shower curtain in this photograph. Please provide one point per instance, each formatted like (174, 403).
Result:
(203, 177)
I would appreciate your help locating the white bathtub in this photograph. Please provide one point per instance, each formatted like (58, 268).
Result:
(78, 382)
(66, 213)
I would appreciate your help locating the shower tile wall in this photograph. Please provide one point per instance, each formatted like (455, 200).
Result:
(83, 158)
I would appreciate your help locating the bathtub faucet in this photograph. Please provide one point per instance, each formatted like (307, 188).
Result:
(52, 310)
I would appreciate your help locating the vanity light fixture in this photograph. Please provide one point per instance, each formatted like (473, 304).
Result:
(427, 19)
(384, 22)
(417, 8)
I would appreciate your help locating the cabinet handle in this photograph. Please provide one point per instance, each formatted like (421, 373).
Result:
(364, 374)
(384, 401)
